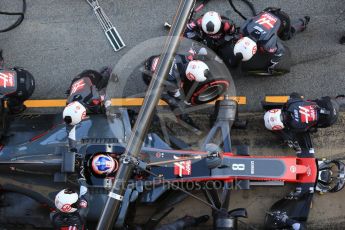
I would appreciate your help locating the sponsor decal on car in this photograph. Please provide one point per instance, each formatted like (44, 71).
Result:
(182, 168)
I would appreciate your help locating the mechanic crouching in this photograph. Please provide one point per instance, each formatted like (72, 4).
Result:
(211, 28)
(71, 209)
(184, 71)
(299, 116)
(267, 29)
(16, 86)
(87, 95)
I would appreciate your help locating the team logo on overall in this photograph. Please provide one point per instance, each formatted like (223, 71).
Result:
(267, 21)
(308, 113)
(182, 168)
(66, 208)
(6, 79)
(77, 86)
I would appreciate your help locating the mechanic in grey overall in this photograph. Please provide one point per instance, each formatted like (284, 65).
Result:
(87, 95)
(267, 29)
(184, 70)
(71, 209)
(211, 28)
(300, 116)
(16, 86)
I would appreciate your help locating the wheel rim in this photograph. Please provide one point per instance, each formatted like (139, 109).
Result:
(211, 93)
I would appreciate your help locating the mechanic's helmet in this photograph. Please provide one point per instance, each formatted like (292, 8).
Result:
(274, 119)
(103, 164)
(211, 22)
(247, 47)
(67, 201)
(74, 113)
(197, 71)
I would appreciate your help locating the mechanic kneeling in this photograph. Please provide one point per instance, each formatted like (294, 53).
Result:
(301, 116)
(71, 210)
(87, 95)
(184, 72)
(266, 29)
(211, 28)
(16, 86)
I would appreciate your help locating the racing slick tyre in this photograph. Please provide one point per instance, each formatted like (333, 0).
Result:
(206, 91)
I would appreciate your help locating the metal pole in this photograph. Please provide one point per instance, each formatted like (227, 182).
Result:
(144, 119)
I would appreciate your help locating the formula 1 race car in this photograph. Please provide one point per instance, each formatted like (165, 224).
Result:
(35, 164)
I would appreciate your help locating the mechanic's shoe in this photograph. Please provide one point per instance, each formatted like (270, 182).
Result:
(305, 22)
(307, 19)
(340, 99)
(105, 71)
(342, 40)
(171, 101)
(174, 93)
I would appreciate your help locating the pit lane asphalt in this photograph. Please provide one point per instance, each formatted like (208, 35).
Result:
(59, 39)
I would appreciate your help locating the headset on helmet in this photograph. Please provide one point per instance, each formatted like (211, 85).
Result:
(211, 22)
(274, 120)
(197, 71)
(74, 113)
(247, 47)
(103, 164)
(67, 201)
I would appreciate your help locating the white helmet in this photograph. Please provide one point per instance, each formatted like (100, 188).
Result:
(274, 120)
(247, 47)
(74, 113)
(211, 22)
(66, 201)
(196, 71)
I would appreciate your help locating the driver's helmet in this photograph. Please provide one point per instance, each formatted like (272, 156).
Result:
(103, 164)
(67, 201)
(74, 113)
(247, 47)
(197, 71)
(274, 120)
(211, 22)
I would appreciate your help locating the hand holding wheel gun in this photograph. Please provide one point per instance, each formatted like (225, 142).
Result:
(86, 94)
(71, 209)
(190, 81)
